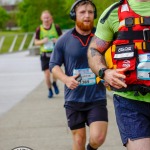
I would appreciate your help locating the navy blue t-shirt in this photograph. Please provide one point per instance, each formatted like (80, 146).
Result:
(71, 51)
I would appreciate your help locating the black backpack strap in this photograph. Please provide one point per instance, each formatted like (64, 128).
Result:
(110, 10)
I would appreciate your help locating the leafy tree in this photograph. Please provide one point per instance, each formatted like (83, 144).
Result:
(28, 16)
(3, 18)
(12, 20)
(30, 11)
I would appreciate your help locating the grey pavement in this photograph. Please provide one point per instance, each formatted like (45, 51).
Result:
(28, 118)
(19, 74)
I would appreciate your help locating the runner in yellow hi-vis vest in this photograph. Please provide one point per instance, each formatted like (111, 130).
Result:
(46, 37)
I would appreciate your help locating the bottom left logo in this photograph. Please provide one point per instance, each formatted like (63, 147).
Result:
(22, 148)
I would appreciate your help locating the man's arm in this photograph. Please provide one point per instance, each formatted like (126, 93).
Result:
(96, 60)
(40, 42)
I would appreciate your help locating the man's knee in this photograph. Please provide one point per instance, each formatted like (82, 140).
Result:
(98, 132)
(97, 141)
(79, 140)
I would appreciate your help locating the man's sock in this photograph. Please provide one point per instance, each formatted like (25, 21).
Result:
(90, 148)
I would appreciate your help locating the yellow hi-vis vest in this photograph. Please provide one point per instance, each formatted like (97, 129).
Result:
(51, 33)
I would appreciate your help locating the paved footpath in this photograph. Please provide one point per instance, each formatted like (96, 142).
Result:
(19, 74)
(37, 122)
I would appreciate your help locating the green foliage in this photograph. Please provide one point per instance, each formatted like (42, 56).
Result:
(28, 15)
(30, 11)
(3, 18)
(12, 20)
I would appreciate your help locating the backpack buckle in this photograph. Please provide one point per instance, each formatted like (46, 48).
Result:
(129, 22)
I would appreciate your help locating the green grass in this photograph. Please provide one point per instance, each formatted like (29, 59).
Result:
(28, 41)
(6, 44)
(9, 37)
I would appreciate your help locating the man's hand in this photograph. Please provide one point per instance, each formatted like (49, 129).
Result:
(71, 82)
(45, 40)
(54, 40)
(116, 77)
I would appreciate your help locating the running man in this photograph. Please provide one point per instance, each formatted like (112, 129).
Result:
(85, 101)
(125, 28)
(46, 37)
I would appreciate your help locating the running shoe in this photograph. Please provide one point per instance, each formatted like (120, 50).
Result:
(50, 94)
(55, 88)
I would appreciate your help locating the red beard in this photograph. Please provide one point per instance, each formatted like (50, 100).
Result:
(83, 26)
